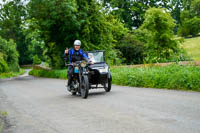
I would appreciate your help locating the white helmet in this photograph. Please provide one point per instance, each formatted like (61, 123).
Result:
(77, 42)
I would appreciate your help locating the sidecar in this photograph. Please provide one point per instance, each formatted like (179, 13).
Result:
(99, 74)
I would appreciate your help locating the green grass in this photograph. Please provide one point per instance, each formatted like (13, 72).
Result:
(169, 77)
(192, 46)
(62, 74)
(11, 74)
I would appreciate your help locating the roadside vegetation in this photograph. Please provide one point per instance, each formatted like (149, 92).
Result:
(169, 77)
(134, 32)
(11, 74)
(61, 74)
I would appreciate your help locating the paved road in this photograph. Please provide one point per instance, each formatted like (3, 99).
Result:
(39, 105)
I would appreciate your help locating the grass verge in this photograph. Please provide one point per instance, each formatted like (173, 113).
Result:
(11, 74)
(62, 74)
(169, 77)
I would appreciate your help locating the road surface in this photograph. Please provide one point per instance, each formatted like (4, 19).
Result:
(40, 105)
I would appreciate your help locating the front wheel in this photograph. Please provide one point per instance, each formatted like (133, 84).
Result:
(73, 93)
(108, 85)
(84, 87)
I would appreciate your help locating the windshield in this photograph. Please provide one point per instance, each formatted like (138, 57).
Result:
(96, 57)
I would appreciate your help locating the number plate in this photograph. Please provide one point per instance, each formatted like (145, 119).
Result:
(76, 70)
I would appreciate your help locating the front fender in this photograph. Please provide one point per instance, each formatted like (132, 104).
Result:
(109, 76)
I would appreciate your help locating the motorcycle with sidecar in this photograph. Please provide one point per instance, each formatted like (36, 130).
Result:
(88, 76)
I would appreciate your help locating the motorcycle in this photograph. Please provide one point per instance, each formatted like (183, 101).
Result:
(80, 83)
(88, 76)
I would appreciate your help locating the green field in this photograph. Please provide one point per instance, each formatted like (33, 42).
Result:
(192, 46)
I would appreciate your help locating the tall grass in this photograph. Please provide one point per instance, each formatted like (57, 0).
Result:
(62, 74)
(170, 77)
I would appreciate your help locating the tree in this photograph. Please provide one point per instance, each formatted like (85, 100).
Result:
(132, 49)
(161, 45)
(131, 12)
(36, 45)
(69, 20)
(190, 20)
(12, 16)
(8, 55)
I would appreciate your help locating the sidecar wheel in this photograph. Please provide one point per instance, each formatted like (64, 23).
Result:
(84, 87)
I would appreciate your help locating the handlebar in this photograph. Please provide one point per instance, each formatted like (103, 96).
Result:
(77, 63)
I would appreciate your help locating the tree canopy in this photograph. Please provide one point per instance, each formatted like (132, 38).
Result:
(130, 31)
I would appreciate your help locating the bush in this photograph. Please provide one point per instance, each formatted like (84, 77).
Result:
(132, 49)
(36, 60)
(190, 20)
(3, 64)
(8, 49)
(189, 27)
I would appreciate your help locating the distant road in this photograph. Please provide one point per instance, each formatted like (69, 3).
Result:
(39, 105)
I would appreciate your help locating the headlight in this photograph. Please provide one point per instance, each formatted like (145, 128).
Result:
(103, 70)
(83, 64)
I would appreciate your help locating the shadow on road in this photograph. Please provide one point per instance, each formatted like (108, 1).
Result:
(91, 94)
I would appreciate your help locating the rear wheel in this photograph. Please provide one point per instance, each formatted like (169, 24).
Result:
(84, 87)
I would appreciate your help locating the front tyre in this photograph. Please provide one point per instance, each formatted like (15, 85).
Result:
(84, 87)
(73, 93)
(108, 85)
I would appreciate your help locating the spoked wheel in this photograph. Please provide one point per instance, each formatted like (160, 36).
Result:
(108, 85)
(84, 87)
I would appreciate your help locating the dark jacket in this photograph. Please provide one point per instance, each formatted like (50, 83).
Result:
(75, 55)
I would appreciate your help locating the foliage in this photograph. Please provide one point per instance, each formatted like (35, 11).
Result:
(12, 16)
(36, 60)
(190, 20)
(3, 64)
(62, 74)
(132, 49)
(160, 45)
(9, 54)
(69, 20)
(11, 74)
(190, 27)
(34, 41)
(132, 12)
(170, 77)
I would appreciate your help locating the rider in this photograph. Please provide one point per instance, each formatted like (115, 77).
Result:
(75, 54)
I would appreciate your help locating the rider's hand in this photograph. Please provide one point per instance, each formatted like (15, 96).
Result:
(66, 51)
(91, 62)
